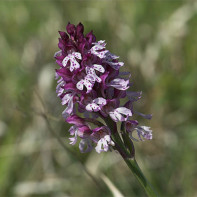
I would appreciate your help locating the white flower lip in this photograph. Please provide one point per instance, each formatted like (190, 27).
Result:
(73, 62)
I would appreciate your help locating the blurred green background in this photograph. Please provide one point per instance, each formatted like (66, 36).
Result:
(157, 40)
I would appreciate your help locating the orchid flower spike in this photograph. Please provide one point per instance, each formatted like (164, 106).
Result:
(89, 82)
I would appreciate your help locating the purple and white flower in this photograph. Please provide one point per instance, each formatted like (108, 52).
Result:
(145, 132)
(119, 84)
(96, 104)
(120, 114)
(98, 49)
(103, 144)
(74, 64)
(89, 82)
(103, 139)
(73, 131)
(111, 60)
(60, 85)
(142, 131)
(91, 71)
(68, 99)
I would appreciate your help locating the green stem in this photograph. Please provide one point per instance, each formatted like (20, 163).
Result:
(127, 152)
(132, 164)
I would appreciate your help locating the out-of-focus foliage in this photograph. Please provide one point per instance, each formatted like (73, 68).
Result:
(157, 40)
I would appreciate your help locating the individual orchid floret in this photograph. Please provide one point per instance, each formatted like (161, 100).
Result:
(92, 71)
(131, 125)
(119, 84)
(96, 104)
(59, 89)
(103, 144)
(82, 131)
(102, 137)
(120, 114)
(145, 132)
(98, 49)
(73, 62)
(88, 82)
(142, 131)
(68, 99)
(111, 60)
(73, 131)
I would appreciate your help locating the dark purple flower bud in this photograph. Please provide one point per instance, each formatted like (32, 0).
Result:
(64, 35)
(90, 37)
(71, 29)
(79, 29)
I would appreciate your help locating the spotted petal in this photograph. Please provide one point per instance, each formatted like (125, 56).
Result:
(74, 65)
(68, 111)
(96, 104)
(73, 62)
(80, 84)
(93, 107)
(98, 49)
(99, 68)
(100, 101)
(67, 98)
(119, 84)
(77, 55)
(124, 110)
(103, 144)
(65, 60)
(91, 72)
